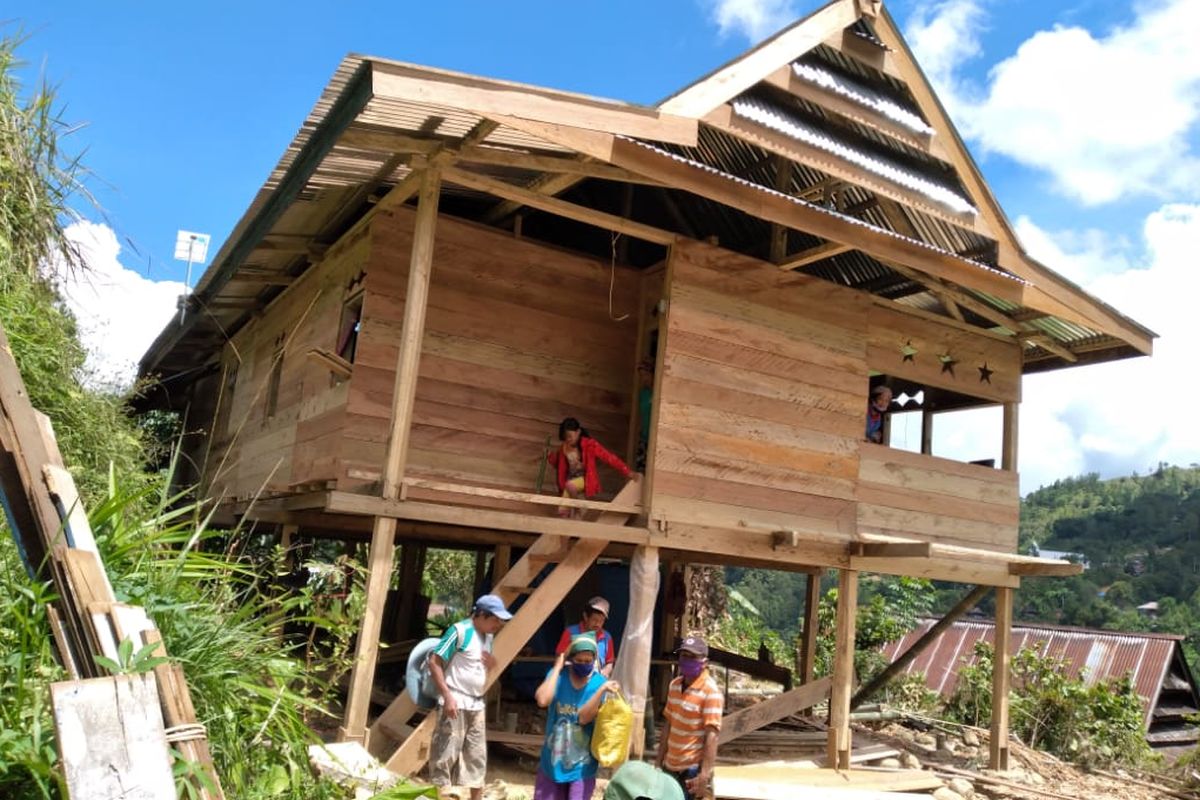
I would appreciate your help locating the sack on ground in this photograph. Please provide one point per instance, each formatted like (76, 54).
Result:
(614, 728)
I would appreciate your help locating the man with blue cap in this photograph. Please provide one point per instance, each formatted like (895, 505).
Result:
(459, 666)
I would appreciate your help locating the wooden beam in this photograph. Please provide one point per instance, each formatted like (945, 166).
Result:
(812, 607)
(855, 47)
(546, 185)
(389, 141)
(748, 69)
(773, 207)
(524, 497)
(780, 707)
(567, 165)
(350, 503)
(814, 254)
(728, 121)
(785, 78)
(969, 601)
(1001, 668)
(383, 537)
(892, 549)
(562, 208)
(1046, 343)
(408, 83)
(1055, 568)
(784, 171)
(1008, 455)
(839, 744)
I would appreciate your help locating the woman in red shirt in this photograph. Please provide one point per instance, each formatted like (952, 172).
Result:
(575, 460)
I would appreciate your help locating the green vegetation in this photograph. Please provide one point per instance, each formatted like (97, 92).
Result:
(1095, 725)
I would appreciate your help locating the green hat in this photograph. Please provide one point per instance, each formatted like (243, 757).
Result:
(636, 780)
(583, 643)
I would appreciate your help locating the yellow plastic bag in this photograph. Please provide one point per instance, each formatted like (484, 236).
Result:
(614, 727)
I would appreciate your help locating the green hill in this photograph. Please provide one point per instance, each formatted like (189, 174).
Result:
(1141, 538)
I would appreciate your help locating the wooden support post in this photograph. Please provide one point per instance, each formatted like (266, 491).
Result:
(839, 745)
(500, 562)
(812, 604)
(919, 646)
(1008, 456)
(383, 535)
(927, 429)
(1001, 665)
(632, 670)
(783, 183)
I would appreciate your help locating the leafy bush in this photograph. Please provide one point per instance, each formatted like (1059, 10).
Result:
(1096, 725)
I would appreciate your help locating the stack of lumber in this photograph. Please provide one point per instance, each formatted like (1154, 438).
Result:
(797, 780)
(102, 720)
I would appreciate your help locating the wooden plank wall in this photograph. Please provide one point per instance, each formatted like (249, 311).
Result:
(300, 441)
(762, 396)
(762, 402)
(518, 336)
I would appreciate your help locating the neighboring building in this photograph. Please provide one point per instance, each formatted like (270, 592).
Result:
(1154, 662)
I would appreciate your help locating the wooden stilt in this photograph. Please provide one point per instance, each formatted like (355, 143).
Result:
(383, 535)
(633, 657)
(500, 562)
(812, 604)
(839, 744)
(1001, 665)
(1008, 457)
(927, 430)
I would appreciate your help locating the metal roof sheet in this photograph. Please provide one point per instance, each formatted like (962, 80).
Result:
(1092, 655)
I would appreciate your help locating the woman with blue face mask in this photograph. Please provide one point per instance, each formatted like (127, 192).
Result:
(572, 693)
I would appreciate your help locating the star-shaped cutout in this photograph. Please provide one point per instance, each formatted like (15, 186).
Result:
(908, 351)
(985, 374)
(948, 365)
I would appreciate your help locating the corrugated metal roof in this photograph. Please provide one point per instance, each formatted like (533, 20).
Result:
(1095, 656)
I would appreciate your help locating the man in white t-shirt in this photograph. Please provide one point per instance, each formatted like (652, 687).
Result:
(459, 666)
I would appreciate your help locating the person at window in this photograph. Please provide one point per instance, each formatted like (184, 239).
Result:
(592, 621)
(575, 461)
(572, 694)
(877, 406)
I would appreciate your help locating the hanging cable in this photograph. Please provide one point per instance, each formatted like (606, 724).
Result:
(612, 279)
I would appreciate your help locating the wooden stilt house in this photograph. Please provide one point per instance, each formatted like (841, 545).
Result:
(442, 266)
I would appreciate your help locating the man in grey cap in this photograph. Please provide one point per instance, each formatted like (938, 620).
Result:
(459, 666)
(687, 747)
(595, 614)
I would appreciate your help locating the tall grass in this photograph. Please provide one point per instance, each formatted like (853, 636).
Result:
(221, 617)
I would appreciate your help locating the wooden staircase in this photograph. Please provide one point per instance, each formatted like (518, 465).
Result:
(573, 558)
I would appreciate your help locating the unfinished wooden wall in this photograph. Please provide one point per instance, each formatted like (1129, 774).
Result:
(296, 444)
(518, 336)
(762, 396)
(762, 406)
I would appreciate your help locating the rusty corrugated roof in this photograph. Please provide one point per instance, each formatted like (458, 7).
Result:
(1096, 656)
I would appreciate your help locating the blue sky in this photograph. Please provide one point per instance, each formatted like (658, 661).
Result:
(1083, 115)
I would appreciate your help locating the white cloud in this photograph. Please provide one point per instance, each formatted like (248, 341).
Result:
(754, 19)
(1124, 416)
(119, 311)
(1105, 115)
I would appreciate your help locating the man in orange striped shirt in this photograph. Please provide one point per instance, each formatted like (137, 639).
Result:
(688, 747)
